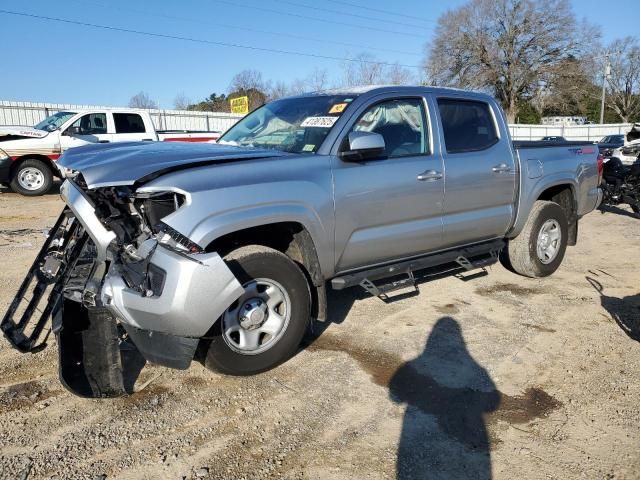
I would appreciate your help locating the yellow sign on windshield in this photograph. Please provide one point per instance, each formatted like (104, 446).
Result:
(239, 105)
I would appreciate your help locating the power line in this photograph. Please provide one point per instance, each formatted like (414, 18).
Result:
(247, 29)
(307, 17)
(356, 15)
(199, 40)
(387, 12)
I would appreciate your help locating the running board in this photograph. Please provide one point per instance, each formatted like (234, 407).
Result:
(377, 281)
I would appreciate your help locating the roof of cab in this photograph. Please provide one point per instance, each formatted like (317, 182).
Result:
(375, 89)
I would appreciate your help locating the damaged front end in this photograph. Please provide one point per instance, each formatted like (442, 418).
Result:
(112, 275)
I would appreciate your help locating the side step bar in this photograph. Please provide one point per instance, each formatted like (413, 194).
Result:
(467, 258)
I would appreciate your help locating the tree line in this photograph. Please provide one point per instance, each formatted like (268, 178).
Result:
(534, 56)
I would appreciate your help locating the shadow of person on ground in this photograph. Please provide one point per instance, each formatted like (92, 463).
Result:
(447, 393)
(624, 311)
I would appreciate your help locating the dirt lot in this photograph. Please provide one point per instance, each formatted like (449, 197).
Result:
(499, 377)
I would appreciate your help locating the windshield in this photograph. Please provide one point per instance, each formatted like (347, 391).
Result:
(294, 125)
(54, 121)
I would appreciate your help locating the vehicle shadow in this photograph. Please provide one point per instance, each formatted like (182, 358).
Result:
(617, 210)
(624, 311)
(448, 394)
(54, 190)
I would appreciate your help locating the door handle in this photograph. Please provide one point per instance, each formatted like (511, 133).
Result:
(502, 168)
(429, 176)
(104, 141)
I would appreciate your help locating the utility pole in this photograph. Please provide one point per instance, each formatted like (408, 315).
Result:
(605, 75)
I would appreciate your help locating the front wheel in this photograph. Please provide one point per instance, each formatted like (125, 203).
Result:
(265, 326)
(539, 249)
(32, 177)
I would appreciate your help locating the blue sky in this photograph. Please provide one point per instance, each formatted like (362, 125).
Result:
(53, 62)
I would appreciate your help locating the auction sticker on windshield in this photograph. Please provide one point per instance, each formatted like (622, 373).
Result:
(322, 122)
(338, 108)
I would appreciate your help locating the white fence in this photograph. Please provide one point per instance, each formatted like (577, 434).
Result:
(29, 113)
(590, 133)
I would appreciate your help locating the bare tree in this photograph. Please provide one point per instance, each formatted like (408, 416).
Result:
(363, 70)
(247, 80)
(142, 100)
(506, 47)
(624, 80)
(399, 75)
(181, 102)
(318, 80)
(277, 90)
(249, 83)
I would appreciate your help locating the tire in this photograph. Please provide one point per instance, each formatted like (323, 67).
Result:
(260, 269)
(32, 177)
(521, 254)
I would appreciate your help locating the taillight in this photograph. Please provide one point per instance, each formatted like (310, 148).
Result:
(600, 168)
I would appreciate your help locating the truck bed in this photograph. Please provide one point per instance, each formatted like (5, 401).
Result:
(520, 144)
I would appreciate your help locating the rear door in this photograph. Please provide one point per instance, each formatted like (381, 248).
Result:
(390, 207)
(481, 174)
(130, 127)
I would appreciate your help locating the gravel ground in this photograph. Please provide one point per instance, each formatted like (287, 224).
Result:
(499, 376)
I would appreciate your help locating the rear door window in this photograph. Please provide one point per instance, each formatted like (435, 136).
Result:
(467, 125)
(128, 123)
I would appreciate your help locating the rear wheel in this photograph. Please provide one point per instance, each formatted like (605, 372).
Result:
(32, 177)
(539, 249)
(265, 326)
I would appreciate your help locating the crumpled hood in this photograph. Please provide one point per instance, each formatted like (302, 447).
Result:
(27, 132)
(116, 164)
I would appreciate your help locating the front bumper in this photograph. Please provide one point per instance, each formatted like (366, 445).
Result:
(165, 322)
(196, 290)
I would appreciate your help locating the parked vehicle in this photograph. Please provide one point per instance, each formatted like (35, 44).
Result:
(629, 153)
(621, 184)
(222, 252)
(608, 144)
(555, 138)
(28, 155)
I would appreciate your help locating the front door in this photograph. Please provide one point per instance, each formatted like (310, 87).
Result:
(89, 128)
(391, 207)
(481, 172)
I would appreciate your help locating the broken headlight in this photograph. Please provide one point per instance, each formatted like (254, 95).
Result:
(176, 241)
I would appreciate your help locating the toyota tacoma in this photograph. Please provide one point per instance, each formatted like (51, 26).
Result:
(222, 252)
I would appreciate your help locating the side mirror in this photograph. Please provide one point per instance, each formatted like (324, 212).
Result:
(71, 131)
(363, 146)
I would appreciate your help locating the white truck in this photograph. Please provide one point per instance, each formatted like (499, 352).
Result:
(28, 154)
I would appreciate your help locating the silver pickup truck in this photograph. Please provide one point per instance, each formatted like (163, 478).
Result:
(222, 253)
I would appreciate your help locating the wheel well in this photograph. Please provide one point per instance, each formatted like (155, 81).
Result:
(290, 238)
(563, 195)
(42, 158)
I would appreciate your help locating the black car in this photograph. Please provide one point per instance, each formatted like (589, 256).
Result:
(608, 144)
(554, 138)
